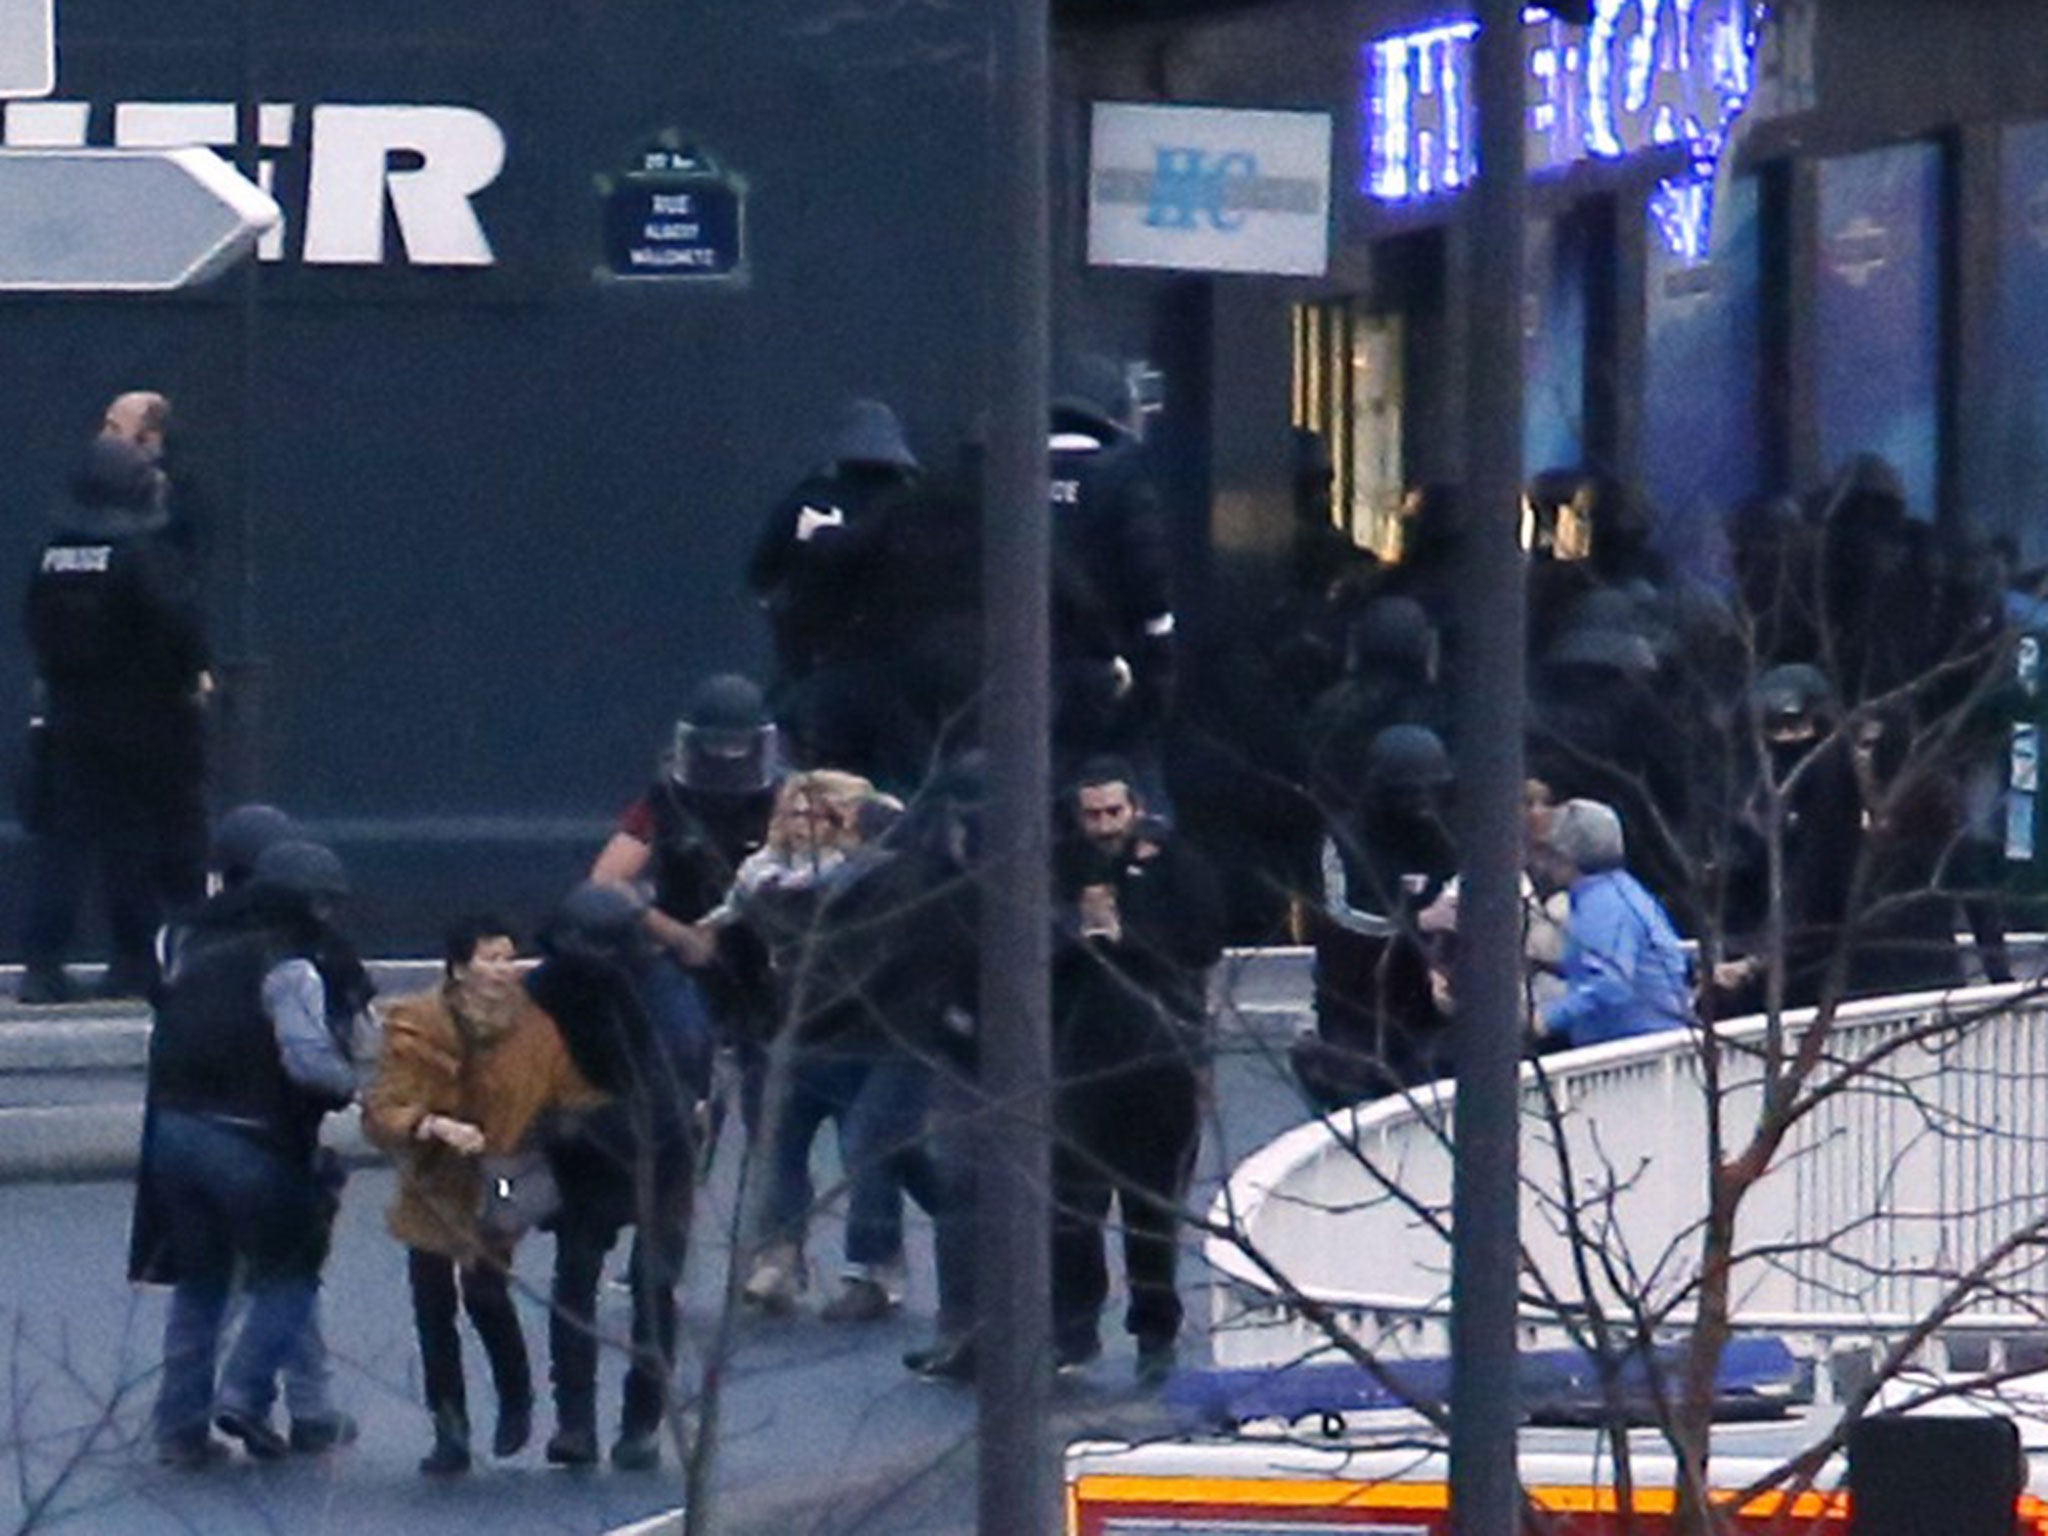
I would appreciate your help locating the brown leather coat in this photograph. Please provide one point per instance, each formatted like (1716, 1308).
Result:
(499, 1071)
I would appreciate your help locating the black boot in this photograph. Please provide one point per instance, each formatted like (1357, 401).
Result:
(515, 1426)
(450, 1455)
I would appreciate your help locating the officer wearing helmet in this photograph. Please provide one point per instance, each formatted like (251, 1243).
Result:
(680, 844)
(252, 1047)
(1804, 795)
(1378, 1028)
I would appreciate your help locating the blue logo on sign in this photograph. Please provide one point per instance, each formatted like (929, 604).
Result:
(1192, 185)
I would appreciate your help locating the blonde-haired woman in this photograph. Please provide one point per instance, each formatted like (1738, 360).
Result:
(836, 1057)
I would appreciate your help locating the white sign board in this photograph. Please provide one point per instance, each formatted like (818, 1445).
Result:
(28, 48)
(123, 220)
(1208, 189)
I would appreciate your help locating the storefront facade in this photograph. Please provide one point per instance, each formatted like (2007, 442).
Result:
(1763, 239)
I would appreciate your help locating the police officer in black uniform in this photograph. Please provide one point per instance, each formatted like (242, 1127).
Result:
(1378, 1028)
(1112, 616)
(628, 1164)
(253, 1044)
(113, 619)
(815, 569)
(680, 843)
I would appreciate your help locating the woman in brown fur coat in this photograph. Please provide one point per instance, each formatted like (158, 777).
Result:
(467, 1069)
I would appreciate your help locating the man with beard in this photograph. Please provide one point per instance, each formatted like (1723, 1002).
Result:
(1140, 922)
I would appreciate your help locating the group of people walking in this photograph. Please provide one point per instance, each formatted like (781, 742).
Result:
(813, 932)
(785, 919)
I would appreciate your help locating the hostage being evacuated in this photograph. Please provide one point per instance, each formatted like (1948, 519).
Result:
(1378, 1029)
(627, 1164)
(471, 1070)
(1625, 972)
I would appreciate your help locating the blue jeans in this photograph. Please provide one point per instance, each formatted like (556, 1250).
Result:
(675, 1005)
(229, 1200)
(878, 1103)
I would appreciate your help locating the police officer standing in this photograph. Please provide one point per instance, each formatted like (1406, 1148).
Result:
(114, 622)
(1112, 614)
(815, 570)
(682, 841)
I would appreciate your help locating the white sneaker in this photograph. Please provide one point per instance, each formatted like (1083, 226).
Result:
(778, 1278)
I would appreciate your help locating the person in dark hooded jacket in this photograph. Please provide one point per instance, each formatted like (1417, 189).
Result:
(1378, 1028)
(629, 1164)
(816, 568)
(113, 620)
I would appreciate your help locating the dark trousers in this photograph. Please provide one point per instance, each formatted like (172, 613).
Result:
(141, 821)
(655, 1269)
(485, 1291)
(1132, 1135)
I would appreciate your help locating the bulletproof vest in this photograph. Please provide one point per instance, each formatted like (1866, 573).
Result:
(700, 840)
(214, 1050)
(74, 610)
(1093, 492)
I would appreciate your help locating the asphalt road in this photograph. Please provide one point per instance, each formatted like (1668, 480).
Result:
(822, 1430)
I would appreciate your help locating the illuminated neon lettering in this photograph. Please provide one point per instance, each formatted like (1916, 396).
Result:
(1643, 75)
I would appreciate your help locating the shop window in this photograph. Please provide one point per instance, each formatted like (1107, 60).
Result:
(1878, 314)
(1348, 390)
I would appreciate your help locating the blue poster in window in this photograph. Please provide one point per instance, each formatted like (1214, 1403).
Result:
(1554, 346)
(2008, 436)
(1878, 313)
(1701, 366)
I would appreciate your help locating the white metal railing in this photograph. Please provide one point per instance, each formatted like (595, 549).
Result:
(1923, 1166)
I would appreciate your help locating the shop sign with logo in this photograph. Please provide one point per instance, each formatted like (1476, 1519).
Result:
(1209, 189)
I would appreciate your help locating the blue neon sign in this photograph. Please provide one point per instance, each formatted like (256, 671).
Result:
(1643, 75)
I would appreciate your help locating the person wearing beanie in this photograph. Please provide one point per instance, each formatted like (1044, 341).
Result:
(1625, 972)
(113, 621)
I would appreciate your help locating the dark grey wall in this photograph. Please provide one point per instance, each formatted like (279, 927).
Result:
(498, 516)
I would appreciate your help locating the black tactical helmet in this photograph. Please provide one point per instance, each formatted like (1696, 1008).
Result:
(596, 921)
(1392, 629)
(241, 836)
(1793, 691)
(1094, 390)
(725, 742)
(299, 867)
(1407, 757)
(114, 473)
(1609, 650)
